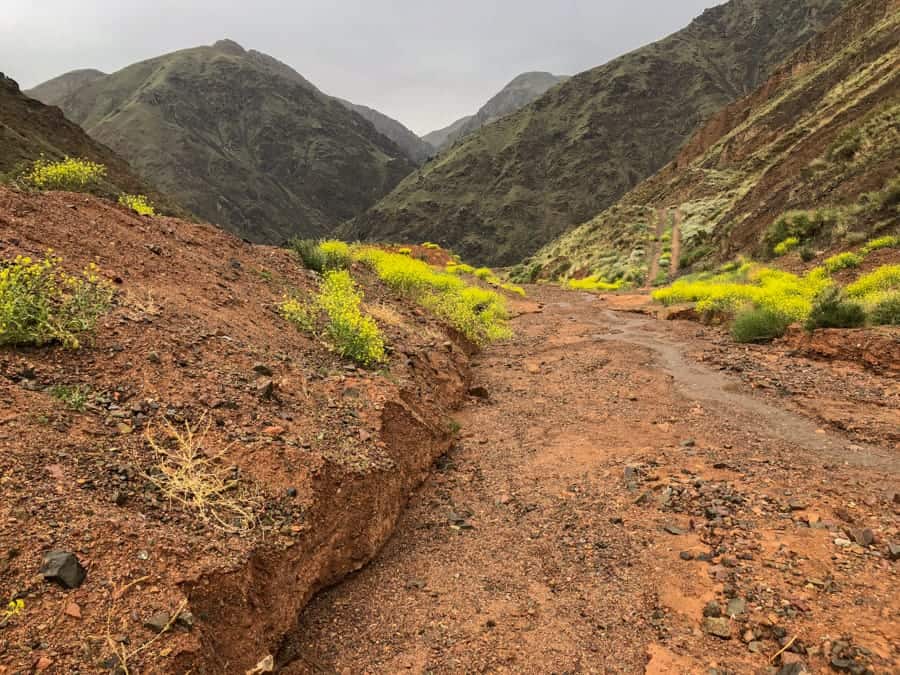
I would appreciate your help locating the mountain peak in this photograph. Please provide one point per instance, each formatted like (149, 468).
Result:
(229, 46)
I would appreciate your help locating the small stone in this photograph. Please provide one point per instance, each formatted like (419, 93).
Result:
(686, 555)
(42, 664)
(736, 607)
(755, 646)
(158, 622)
(265, 389)
(292, 492)
(266, 665)
(843, 543)
(893, 551)
(73, 610)
(844, 514)
(262, 369)
(689, 443)
(480, 392)
(797, 505)
(712, 609)
(863, 537)
(185, 620)
(63, 568)
(673, 529)
(153, 357)
(796, 668)
(273, 431)
(720, 627)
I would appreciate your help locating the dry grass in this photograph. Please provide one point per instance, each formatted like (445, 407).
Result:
(185, 474)
(385, 314)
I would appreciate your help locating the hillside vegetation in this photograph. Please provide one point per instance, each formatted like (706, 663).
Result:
(516, 184)
(413, 147)
(523, 89)
(807, 164)
(30, 130)
(241, 140)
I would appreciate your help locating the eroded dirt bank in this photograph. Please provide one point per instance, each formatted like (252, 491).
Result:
(638, 496)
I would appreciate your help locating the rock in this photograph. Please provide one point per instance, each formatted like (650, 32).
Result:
(480, 392)
(712, 609)
(262, 369)
(893, 551)
(43, 664)
(718, 626)
(843, 543)
(686, 555)
(844, 514)
(797, 505)
(185, 620)
(736, 607)
(292, 492)
(158, 622)
(673, 529)
(265, 665)
(755, 646)
(689, 443)
(793, 669)
(63, 568)
(265, 388)
(72, 609)
(863, 537)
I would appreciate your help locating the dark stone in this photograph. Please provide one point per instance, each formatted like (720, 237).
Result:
(712, 609)
(265, 389)
(686, 555)
(480, 392)
(185, 620)
(893, 551)
(689, 443)
(292, 492)
(673, 529)
(262, 369)
(63, 568)
(793, 669)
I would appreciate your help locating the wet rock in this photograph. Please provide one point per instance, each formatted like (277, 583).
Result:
(718, 626)
(63, 568)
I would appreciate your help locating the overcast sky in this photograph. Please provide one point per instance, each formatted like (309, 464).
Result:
(422, 62)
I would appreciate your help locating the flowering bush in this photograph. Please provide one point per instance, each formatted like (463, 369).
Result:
(40, 303)
(137, 203)
(842, 261)
(786, 246)
(70, 173)
(352, 334)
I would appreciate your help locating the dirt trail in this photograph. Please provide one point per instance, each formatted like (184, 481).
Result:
(607, 492)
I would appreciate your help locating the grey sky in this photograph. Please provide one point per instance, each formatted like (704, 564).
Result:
(424, 63)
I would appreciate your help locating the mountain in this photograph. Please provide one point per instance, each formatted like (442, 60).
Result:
(514, 185)
(30, 129)
(52, 92)
(241, 139)
(821, 137)
(414, 147)
(443, 137)
(520, 92)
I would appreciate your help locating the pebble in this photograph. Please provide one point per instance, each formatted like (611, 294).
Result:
(686, 555)
(712, 609)
(63, 568)
(718, 626)
(863, 537)
(736, 607)
(158, 622)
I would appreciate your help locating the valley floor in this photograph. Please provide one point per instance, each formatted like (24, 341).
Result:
(635, 496)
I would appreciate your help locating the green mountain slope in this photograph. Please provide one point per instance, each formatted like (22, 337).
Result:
(516, 184)
(414, 147)
(818, 143)
(30, 129)
(241, 140)
(524, 89)
(52, 92)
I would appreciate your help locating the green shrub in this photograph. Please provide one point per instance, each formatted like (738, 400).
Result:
(807, 254)
(353, 335)
(800, 224)
(484, 273)
(71, 173)
(889, 241)
(886, 310)
(137, 203)
(842, 261)
(594, 283)
(758, 325)
(786, 246)
(40, 303)
(845, 146)
(74, 396)
(300, 313)
(832, 310)
(323, 256)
